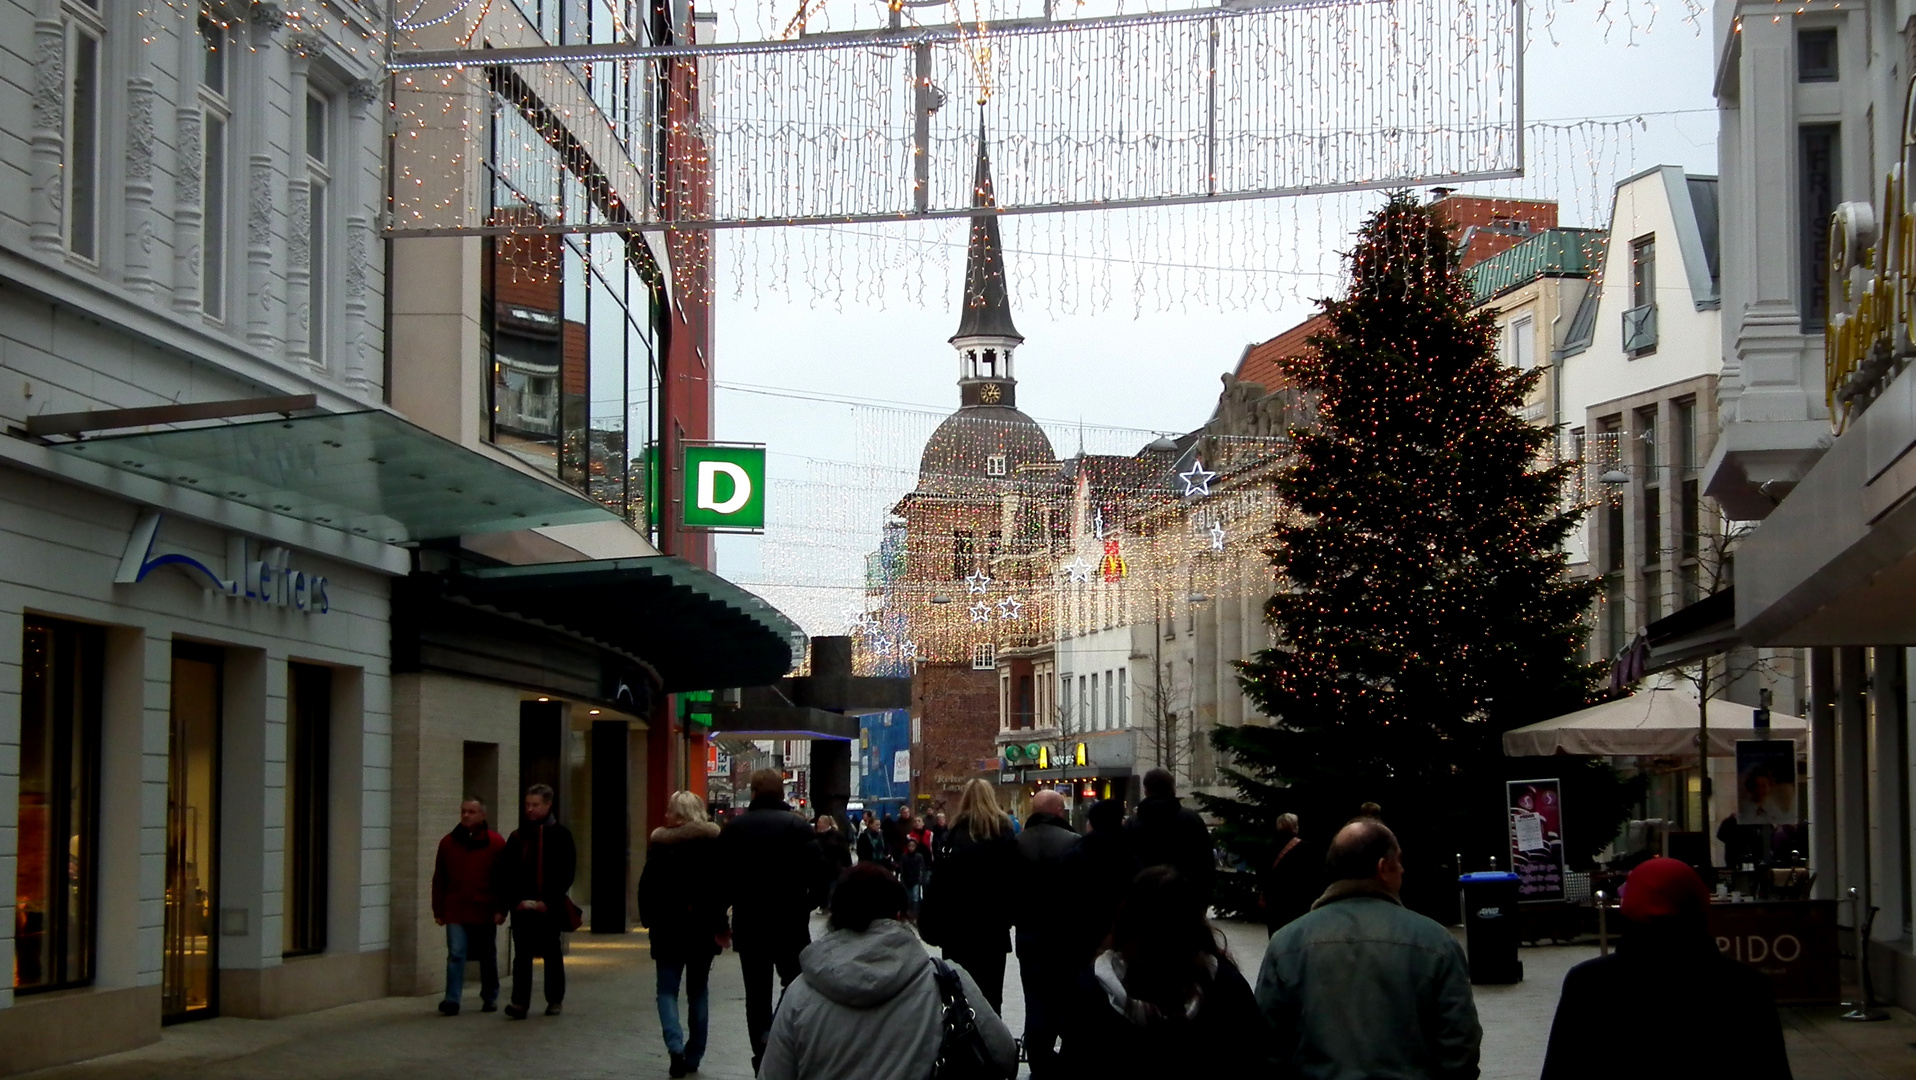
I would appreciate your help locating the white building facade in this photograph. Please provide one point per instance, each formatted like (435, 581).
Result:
(1814, 439)
(194, 702)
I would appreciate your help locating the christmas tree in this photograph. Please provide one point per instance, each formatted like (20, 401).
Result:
(1424, 605)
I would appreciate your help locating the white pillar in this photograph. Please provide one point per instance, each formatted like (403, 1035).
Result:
(300, 49)
(262, 288)
(48, 147)
(189, 183)
(140, 223)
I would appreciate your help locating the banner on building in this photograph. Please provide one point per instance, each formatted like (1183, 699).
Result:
(884, 740)
(1766, 782)
(1536, 838)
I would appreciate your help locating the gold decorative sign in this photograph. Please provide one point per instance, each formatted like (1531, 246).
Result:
(1872, 280)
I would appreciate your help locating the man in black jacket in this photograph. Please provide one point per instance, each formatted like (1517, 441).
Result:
(1098, 871)
(1164, 832)
(1045, 957)
(776, 871)
(536, 869)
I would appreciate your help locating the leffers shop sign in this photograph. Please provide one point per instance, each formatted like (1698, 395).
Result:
(262, 576)
(724, 487)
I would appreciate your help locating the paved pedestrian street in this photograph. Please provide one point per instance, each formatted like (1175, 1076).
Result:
(610, 1028)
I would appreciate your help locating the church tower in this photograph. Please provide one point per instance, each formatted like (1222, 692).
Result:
(986, 336)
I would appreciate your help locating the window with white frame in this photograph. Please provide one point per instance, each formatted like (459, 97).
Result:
(80, 167)
(319, 179)
(984, 656)
(216, 120)
(1523, 343)
(994, 465)
(1124, 700)
(1095, 719)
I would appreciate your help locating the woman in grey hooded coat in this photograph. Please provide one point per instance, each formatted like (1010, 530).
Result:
(866, 1006)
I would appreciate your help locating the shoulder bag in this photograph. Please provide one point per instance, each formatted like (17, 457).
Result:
(962, 1054)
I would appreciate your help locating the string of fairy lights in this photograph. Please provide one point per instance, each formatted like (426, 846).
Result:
(1291, 98)
(1240, 256)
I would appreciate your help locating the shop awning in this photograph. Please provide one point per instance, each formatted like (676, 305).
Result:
(698, 630)
(367, 473)
(1654, 723)
(784, 722)
(1705, 628)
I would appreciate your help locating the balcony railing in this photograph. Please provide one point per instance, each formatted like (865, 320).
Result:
(1640, 329)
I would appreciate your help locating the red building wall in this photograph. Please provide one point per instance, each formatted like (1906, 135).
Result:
(958, 711)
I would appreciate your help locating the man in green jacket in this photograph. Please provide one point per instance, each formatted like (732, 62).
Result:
(1362, 989)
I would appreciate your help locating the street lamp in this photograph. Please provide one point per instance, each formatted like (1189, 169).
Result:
(1614, 476)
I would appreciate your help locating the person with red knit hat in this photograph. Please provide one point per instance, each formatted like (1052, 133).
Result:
(1667, 1003)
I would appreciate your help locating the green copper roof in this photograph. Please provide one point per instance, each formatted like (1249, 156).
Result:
(1551, 253)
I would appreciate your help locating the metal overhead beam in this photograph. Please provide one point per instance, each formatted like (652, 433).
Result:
(955, 34)
(79, 423)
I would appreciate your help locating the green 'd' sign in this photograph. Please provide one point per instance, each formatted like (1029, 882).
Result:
(724, 487)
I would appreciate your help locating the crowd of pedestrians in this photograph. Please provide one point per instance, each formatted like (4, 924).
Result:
(1122, 970)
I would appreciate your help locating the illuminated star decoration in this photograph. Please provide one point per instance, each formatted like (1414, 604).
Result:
(977, 581)
(980, 611)
(1198, 480)
(1008, 607)
(1217, 536)
(909, 650)
(1079, 570)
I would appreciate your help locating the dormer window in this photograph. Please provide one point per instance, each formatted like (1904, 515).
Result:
(994, 465)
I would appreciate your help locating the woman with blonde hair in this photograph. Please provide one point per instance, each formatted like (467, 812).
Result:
(682, 903)
(964, 911)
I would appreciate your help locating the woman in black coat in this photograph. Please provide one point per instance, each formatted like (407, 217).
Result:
(1164, 998)
(966, 912)
(682, 904)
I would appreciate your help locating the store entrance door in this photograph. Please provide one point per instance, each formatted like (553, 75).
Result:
(189, 981)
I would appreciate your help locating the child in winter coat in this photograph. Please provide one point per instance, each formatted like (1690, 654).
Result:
(911, 874)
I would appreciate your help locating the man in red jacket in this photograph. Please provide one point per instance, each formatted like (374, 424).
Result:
(463, 902)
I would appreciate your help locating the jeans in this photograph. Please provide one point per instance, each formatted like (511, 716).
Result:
(757, 966)
(698, 973)
(536, 933)
(476, 941)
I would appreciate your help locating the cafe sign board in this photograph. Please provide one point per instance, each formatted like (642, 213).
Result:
(723, 487)
(1536, 838)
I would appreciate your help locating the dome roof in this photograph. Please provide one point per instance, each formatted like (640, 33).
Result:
(958, 455)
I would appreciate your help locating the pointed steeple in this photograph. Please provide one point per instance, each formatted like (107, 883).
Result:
(987, 310)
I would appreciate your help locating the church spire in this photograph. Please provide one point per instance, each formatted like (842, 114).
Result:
(987, 310)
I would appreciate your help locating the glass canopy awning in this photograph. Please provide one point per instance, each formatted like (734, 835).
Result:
(368, 473)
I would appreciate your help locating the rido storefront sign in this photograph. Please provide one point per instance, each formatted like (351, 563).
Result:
(1872, 286)
(723, 487)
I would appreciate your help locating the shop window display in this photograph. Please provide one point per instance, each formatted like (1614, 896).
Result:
(55, 888)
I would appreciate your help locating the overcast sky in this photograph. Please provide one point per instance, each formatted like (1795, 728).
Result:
(1149, 369)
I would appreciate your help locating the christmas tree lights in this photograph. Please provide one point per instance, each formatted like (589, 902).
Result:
(1428, 605)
